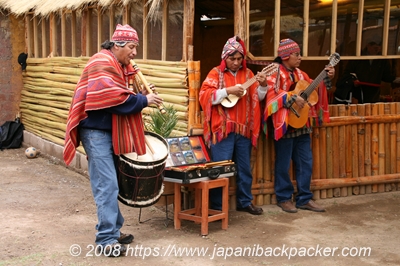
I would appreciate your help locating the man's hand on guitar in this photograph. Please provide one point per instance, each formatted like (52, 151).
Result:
(300, 101)
(261, 78)
(330, 71)
(235, 90)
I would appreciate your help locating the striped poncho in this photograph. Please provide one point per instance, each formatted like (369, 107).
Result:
(103, 84)
(244, 118)
(278, 94)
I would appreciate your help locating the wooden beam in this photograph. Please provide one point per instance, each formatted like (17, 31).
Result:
(44, 37)
(188, 30)
(386, 22)
(88, 33)
(53, 35)
(145, 33)
(127, 15)
(99, 28)
(277, 27)
(359, 27)
(63, 35)
(334, 26)
(28, 40)
(111, 20)
(306, 19)
(184, 30)
(164, 35)
(84, 32)
(73, 34)
(35, 37)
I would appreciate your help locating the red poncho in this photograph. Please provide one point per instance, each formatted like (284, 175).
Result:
(277, 98)
(108, 87)
(244, 118)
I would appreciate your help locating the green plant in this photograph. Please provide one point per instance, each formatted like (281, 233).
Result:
(162, 124)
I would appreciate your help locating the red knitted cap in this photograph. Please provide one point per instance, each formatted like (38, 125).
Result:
(125, 34)
(287, 47)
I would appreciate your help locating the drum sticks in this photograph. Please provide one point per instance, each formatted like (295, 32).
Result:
(145, 84)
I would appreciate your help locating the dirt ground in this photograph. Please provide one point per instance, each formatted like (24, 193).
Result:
(47, 213)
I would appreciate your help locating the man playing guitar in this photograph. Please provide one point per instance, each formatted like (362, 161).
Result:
(293, 143)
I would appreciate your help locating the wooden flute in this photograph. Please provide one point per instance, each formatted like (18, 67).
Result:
(145, 84)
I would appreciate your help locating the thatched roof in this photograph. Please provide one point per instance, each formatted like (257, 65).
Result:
(45, 7)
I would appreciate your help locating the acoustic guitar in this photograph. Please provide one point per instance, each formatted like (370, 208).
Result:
(232, 99)
(298, 116)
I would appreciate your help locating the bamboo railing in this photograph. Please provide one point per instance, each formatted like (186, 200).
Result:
(49, 85)
(357, 153)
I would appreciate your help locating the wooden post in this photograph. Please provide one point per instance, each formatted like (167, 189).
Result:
(398, 140)
(29, 37)
(329, 156)
(164, 34)
(324, 155)
(361, 147)
(339, 166)
(53, 35)
(111, 22)
(73, 33)
(368, 148)
(63, 34)
(35, 37)
(316, 172)
(239, 10)
(381, 146)
(43, 23)
(145, 32)
(392, 140)
(374, 147)
(100, 34)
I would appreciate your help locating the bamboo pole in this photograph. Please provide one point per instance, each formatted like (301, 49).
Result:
(332, 183)
(339, 166)
(316, 160)
(197, 86)
(258, 170)
(398, 140)
(392, 140)
(361, 148)
(374, 147)
(354, 148)
(368, 148)
(381, 146)
(323, 154)
(329, 156)
(387, 134)
(47, 90)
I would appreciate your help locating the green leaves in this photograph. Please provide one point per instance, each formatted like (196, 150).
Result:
(162, 124)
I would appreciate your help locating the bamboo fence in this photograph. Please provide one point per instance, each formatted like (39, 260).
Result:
(49, 85)
(356, 153)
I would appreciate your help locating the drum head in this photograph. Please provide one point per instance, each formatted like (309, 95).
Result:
(157, 150)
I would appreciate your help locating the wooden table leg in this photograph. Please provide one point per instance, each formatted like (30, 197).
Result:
(225, 205)
(204, 208)
(177, 205)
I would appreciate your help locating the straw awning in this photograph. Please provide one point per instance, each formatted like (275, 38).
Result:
(45, 7)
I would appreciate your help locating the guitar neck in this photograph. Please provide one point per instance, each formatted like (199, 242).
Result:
(248, 83)
(315, 83)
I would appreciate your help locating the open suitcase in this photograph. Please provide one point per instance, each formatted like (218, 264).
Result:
(189, 161)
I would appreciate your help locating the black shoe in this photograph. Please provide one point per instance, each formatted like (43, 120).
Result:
(251, 209)
(114, 250)
(125, 238)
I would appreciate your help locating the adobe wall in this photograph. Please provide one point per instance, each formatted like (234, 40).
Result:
(12, 43)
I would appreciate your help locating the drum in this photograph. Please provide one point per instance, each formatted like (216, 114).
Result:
(140, 178)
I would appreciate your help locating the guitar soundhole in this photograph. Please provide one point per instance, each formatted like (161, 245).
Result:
(304, 96)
